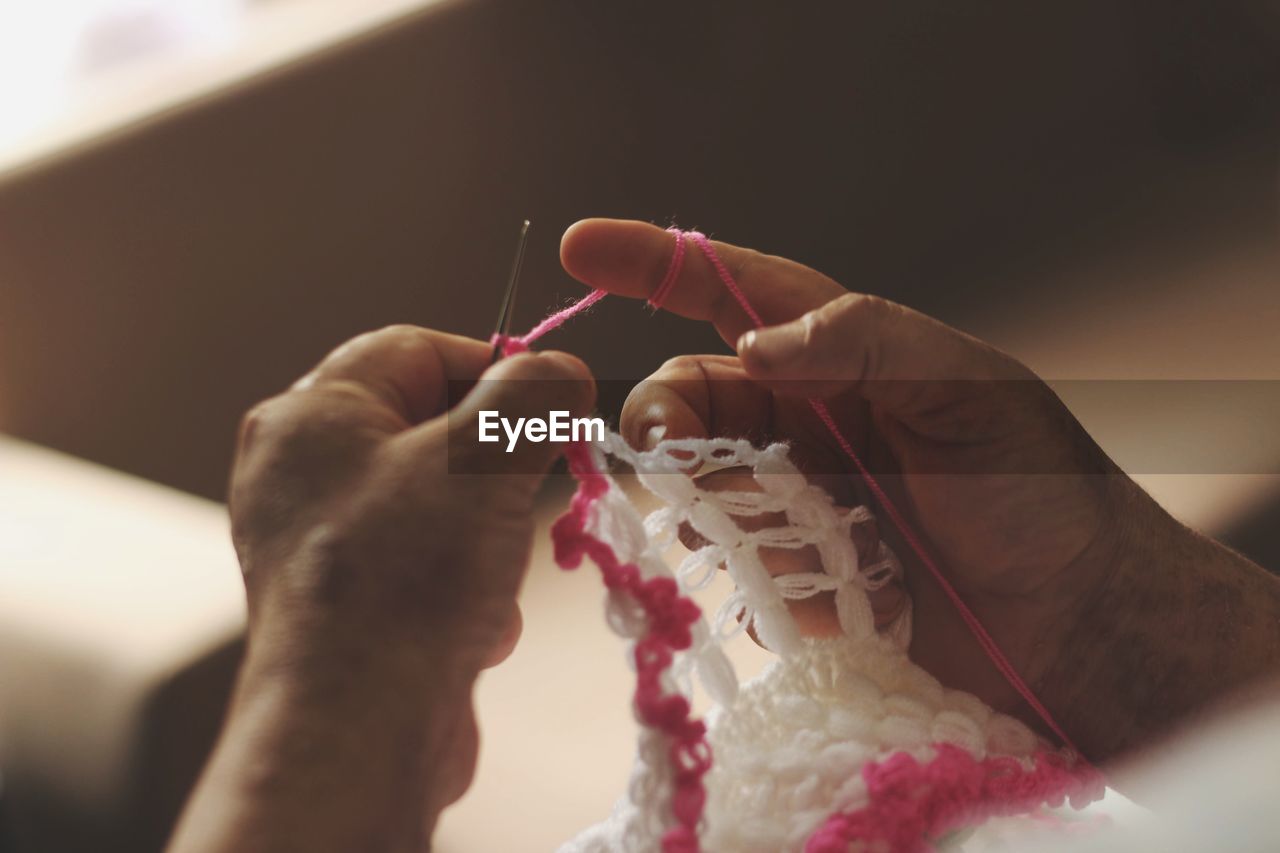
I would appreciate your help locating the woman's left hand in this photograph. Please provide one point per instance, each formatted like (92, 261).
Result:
(382, 547)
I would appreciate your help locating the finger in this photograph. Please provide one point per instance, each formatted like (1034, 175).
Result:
(630, 258)
(695, 396)
(894, 357)
(699, 396)
(407, 368)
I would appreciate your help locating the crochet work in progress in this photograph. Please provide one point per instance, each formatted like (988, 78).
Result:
(841, 744)
(840, 740)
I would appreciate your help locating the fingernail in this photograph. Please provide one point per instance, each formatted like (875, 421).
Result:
(653, 435)
(773, 348)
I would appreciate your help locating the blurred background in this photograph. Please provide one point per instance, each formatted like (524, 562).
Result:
(199, 198)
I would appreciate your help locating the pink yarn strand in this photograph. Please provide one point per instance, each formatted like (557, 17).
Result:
(700, 240)
(975, 626)
(562, 316)
(514, 344)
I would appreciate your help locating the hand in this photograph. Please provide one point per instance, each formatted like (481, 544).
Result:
(359, 505)
(382, 547)
(1018, 503)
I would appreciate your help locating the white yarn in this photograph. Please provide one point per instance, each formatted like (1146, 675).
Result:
(788, 745)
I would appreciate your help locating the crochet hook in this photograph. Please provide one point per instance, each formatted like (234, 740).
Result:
(508, 301)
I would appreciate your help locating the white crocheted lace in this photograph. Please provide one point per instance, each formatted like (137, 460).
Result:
(788, 745)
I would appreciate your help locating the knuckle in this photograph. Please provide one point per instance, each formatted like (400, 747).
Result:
(408, 339)
(815, 327)
(256, 421)
(856, 322)
(298, 417)
(864, 308)
(681, 375)
(274, 425)
(851, 318)
(680, 366)
(401, 340)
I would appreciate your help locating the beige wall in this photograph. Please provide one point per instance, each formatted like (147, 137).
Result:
(154, 286)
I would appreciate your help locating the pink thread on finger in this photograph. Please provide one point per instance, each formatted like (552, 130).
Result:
(664, 288)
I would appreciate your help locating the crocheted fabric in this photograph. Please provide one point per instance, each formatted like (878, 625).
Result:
(840, 744)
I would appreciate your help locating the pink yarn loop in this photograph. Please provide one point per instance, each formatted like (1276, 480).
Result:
(668, 283)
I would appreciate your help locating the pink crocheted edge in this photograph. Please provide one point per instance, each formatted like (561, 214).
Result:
(910, 803)
(670, 616)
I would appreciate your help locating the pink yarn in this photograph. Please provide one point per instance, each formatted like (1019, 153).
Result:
(663, 290)
(512, 344)
(909, 803)
(670, 618)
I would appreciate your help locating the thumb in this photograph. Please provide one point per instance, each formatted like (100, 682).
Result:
(513, 421)
(898, 359)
